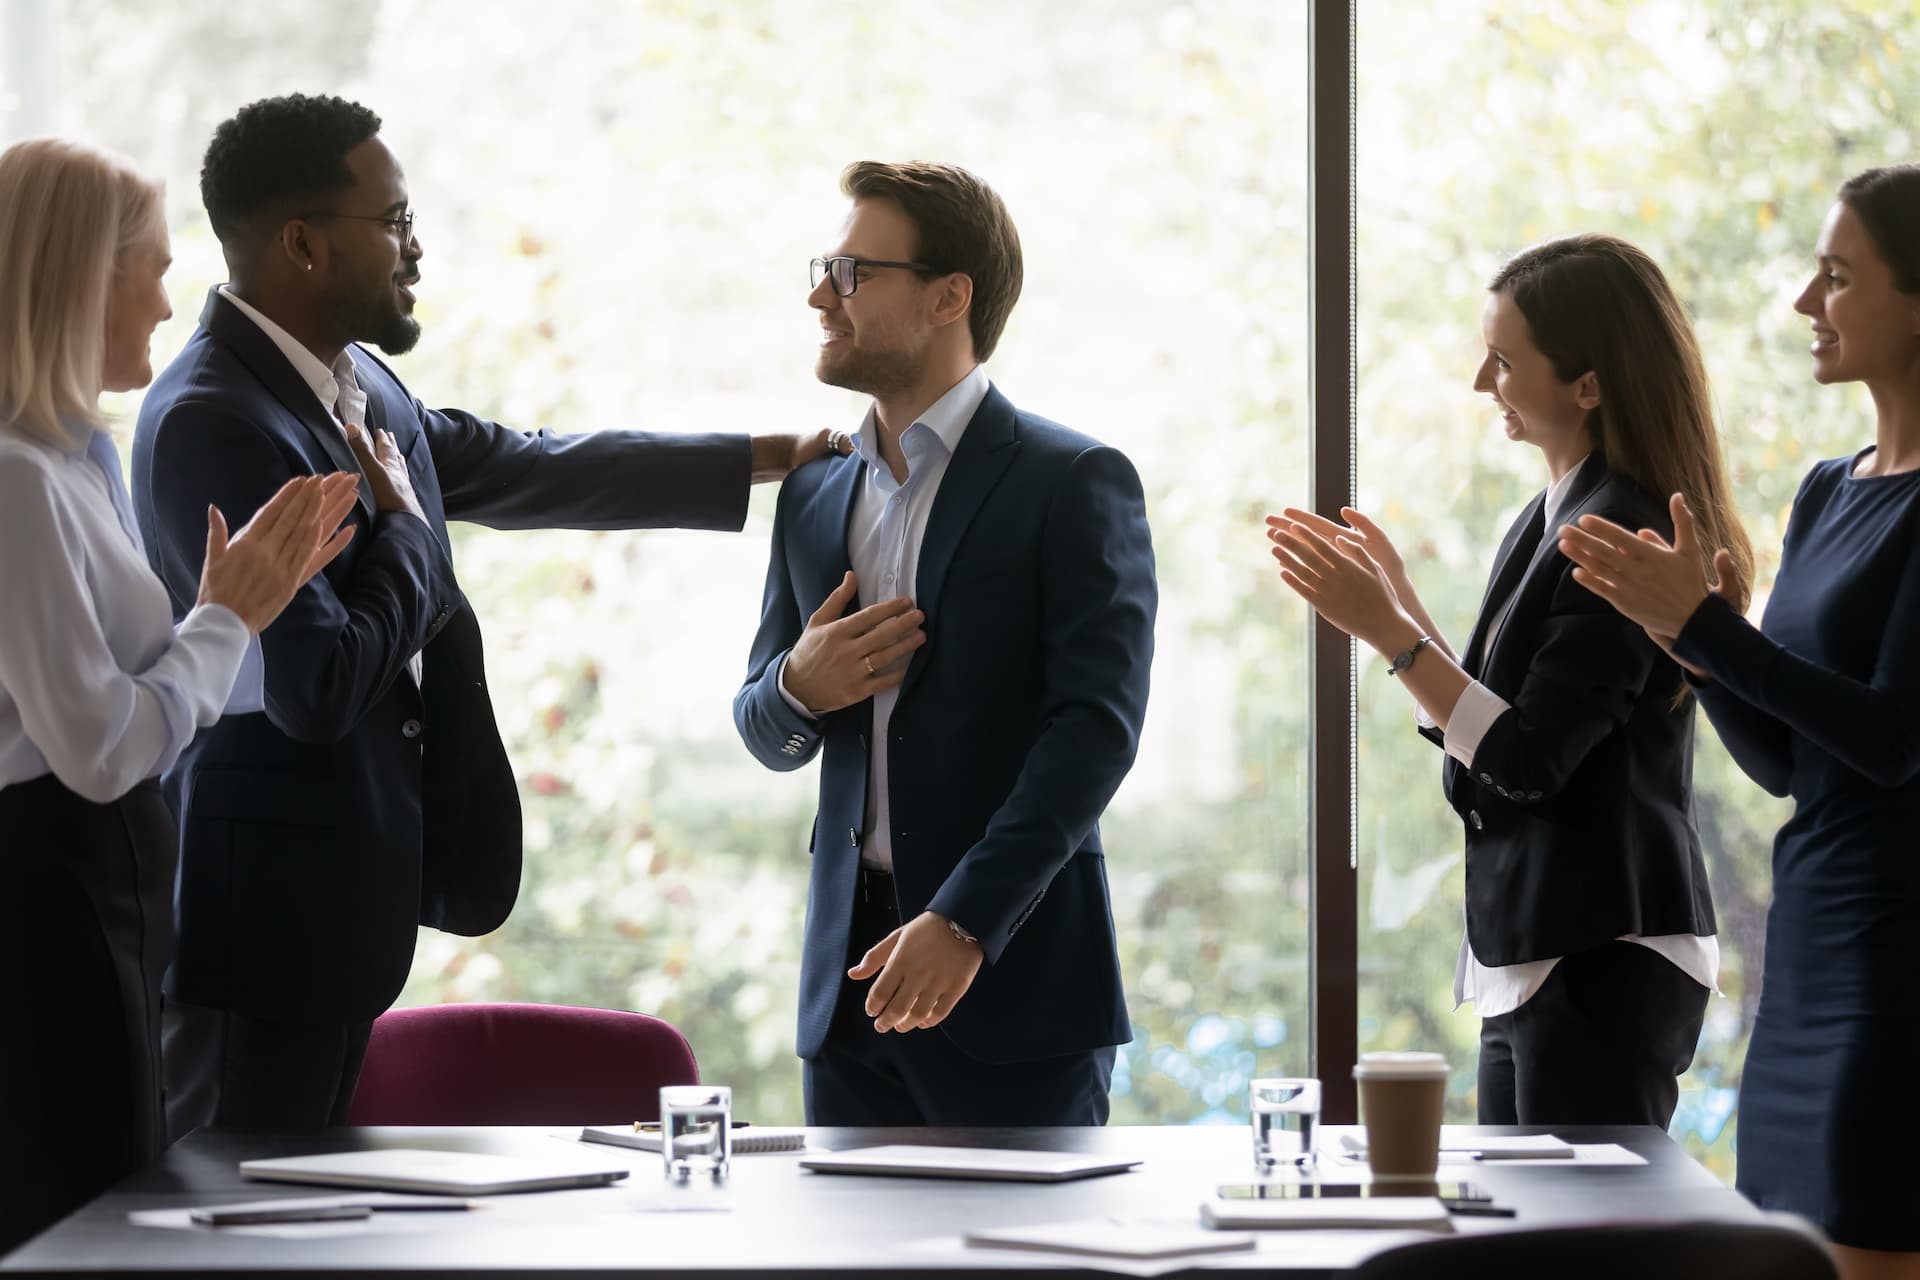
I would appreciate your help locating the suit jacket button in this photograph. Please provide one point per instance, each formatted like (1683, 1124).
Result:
(1502, 791)
(853, 837)
(1487, 778)
(1533, 795)
(1473, 819)
(411, 729)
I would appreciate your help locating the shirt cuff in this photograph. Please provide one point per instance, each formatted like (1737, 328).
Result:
(1472, 716)
(250, 686)
(780, 681)
(215, 631)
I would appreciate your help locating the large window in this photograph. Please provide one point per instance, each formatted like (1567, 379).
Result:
(617, 203)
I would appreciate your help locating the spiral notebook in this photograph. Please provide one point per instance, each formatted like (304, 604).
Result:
(747, 1140)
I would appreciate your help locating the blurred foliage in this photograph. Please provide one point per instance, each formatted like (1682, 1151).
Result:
(618, 201)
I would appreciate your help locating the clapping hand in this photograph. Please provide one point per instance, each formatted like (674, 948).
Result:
(1331, 568)
(1654, 583)
(294, 536)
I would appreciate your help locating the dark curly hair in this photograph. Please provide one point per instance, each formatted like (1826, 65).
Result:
(278, 154)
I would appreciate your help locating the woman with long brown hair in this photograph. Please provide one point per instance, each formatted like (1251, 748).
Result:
(1822, 702)
(1589, 947)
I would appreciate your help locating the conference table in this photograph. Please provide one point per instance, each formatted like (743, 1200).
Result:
(774, 1219)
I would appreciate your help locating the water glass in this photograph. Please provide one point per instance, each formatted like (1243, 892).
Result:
(1284, 1104)
(696, 1131)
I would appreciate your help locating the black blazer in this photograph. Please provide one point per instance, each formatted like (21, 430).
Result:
(1579, 805)
(317, 835)
(1016, 723)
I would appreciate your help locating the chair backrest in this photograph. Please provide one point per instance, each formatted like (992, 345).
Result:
(1641, 1251)
(545, 1064)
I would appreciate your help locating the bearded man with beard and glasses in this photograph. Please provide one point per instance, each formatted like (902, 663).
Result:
(958, 620)
(356, 787)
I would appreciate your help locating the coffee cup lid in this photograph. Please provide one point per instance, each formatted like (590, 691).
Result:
(1400, 1066)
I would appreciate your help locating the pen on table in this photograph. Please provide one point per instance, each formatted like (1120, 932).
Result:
(324, 1211)
(1478, 1209)
(653, 1126)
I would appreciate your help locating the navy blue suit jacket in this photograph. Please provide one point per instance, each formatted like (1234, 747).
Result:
(1014, 727)
(318, 834)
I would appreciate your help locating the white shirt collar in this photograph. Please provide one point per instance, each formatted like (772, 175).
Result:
(946, 418)
(326, 383)
(1557, 492)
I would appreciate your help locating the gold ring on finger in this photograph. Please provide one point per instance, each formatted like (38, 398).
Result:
(869, 661)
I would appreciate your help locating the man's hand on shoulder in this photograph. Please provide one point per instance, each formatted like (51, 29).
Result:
(777, 455)
(925, 966)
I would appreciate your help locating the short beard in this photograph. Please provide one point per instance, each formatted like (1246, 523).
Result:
(873, 373)
(392, 332)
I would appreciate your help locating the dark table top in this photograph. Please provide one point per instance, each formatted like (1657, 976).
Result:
(783, 1221)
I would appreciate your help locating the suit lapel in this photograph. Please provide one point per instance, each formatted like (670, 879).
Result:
(830, 514)
(240, 335)
(1584, 488)
(1504, 581)
(987, 447)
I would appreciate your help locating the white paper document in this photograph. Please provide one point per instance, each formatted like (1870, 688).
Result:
(1113, 1238)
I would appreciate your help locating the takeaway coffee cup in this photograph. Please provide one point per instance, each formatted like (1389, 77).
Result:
(1401, 1097)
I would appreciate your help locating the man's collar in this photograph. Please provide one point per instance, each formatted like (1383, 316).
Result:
(324, 381)
(946, 418)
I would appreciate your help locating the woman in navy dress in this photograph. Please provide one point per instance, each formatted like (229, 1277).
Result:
(1822, 702)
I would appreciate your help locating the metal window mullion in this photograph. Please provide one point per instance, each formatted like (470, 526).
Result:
(1333, 919)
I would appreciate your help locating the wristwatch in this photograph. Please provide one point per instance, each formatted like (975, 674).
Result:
(960, 933)
(1404, 659)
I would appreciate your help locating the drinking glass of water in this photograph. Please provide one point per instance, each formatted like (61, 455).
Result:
(1283, 1104)
(696, 1131)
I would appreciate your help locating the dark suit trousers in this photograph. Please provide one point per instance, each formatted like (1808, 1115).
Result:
(240, 1072)
(1603, 1041)
(865, 1077)
(86, 924)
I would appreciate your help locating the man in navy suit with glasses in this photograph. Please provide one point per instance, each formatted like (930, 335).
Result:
(958, 621)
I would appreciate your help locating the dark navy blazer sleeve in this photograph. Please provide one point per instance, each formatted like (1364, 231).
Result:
(348, 633)
(508, 479)
(1098, 578)
(1759, 742)
(778, 736)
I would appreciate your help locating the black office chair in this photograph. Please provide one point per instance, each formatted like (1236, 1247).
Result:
(1668, 1251)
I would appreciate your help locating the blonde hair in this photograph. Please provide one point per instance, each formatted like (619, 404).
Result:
(69, 214)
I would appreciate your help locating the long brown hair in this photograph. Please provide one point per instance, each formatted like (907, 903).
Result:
(1597, 304)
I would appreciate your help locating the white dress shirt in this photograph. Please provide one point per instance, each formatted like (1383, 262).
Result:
(339, 394)
(883, 543)
(97, 687)
(1495, 991)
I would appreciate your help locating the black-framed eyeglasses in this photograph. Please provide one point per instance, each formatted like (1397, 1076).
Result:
(401, 224)
(846, 271)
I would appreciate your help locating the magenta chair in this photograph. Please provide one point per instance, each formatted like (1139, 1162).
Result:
(536, 1064)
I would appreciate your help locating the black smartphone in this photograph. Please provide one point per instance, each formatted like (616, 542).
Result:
(1449, 1192)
